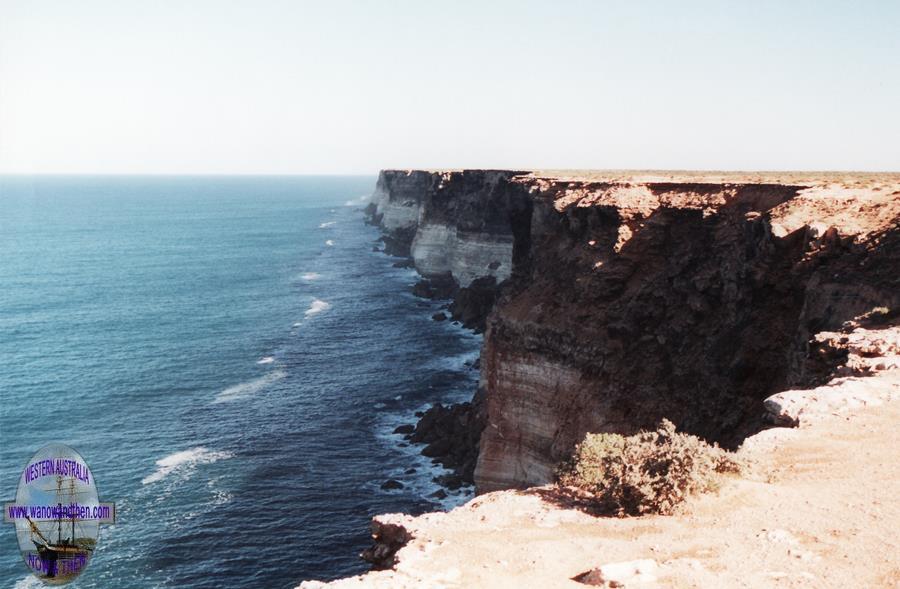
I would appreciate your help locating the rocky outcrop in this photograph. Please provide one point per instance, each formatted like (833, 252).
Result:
(625, 299)
(867, 375)
(451, 435)
(472, 304)
(389, 534)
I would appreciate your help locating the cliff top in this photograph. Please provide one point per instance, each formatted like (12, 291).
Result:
(853, 203)
(870, 180)
(876, 181)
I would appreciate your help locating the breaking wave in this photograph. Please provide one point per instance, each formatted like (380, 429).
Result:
(248, 388)
(317, 307)
(184, 462)
(357, 201)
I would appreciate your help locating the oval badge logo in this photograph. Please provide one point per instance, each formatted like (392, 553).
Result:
(57, 514)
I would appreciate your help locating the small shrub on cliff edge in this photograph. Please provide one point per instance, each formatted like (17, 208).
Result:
(649, 472)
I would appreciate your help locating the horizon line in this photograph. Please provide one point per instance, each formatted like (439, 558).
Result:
(523, 169)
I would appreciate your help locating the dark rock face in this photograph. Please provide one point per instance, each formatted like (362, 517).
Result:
(397, 243)
(473, 303)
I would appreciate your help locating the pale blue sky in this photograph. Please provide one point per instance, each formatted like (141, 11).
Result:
(268, 86)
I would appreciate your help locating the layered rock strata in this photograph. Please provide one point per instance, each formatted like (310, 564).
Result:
(455, 223)
(625, 298)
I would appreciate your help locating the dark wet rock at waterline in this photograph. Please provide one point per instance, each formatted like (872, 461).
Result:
(451, 481)
(450, 435)
(441, 286)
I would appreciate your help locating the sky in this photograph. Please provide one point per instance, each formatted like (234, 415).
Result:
(350, 87)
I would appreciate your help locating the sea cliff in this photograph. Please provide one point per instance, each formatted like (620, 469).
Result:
(628, 297)
(729, 304)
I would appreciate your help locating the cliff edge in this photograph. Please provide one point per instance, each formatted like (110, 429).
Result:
(822, 514)
(760, 311)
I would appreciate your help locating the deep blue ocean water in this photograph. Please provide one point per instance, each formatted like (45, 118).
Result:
(230, 357)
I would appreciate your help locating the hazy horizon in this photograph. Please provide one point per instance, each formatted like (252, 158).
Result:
(349, 88)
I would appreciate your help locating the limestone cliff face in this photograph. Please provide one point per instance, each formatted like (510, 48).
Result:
(629, 299)
(456, 223)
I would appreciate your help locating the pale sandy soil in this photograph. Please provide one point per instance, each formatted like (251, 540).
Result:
(821, 511)
(881, 181)
(878, 181)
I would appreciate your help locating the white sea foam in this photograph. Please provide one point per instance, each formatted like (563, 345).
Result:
(266, 360)
(329, 242)
(326, 224)
(29, 582)
(184, 462)
(245, 389)
(317, 307)
(298, 324)
(357, 201)
(220, 496)
(457, 363)
(309, 276)
(420, 483)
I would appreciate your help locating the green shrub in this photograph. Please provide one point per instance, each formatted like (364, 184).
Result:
(649, 472)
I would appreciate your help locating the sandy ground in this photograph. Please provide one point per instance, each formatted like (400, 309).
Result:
(820, 510)
(880, 181)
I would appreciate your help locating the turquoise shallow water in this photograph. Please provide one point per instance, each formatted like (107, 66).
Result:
(230, 357)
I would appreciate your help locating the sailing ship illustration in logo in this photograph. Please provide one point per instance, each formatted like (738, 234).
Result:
(57, 514)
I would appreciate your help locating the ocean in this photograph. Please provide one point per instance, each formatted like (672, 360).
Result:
(230, 356)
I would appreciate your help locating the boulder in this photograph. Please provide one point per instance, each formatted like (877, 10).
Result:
(392, 484)
(621, 574)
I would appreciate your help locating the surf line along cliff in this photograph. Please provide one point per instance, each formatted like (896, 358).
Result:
(622, 298)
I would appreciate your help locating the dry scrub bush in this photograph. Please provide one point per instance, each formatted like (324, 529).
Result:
(649, 472)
